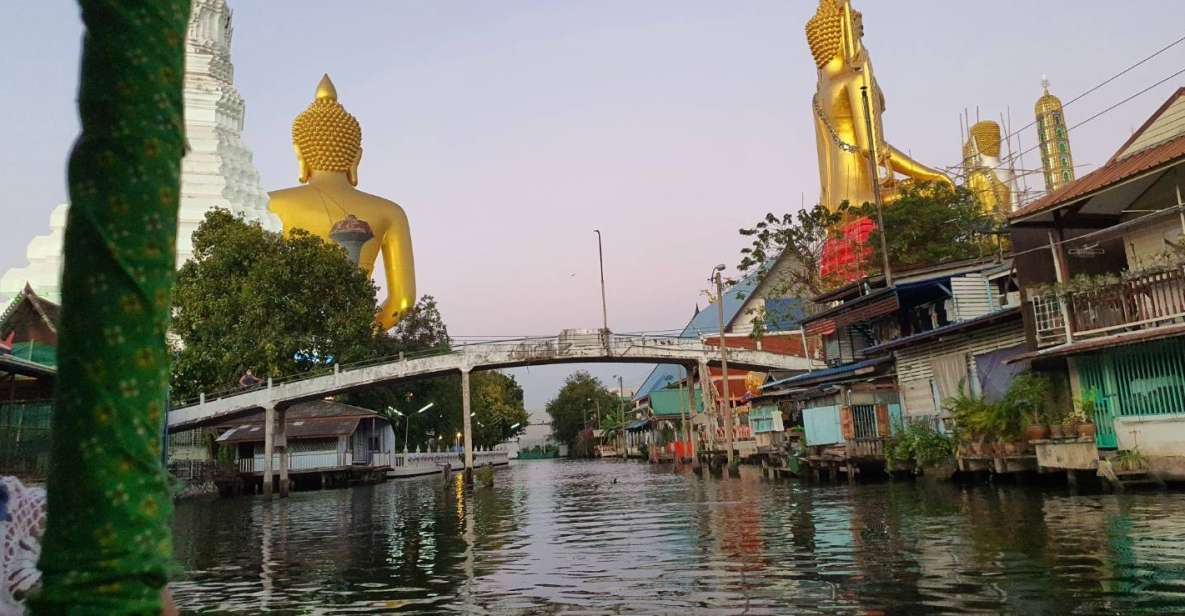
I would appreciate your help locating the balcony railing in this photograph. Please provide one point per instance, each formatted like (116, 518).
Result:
(1142, 301)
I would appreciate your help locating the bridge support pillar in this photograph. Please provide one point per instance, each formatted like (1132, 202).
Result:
(269, 445)
(705, 384)
(688, 427)
(467, 423)
(281, 440)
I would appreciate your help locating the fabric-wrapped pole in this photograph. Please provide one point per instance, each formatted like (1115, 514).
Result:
(107, 547)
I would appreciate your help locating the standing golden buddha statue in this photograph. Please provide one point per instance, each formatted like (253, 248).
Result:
(328, 144)
(835, 37)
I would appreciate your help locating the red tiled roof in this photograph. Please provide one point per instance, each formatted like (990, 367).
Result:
(1116, 169)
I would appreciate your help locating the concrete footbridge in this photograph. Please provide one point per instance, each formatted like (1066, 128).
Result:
(571, 346)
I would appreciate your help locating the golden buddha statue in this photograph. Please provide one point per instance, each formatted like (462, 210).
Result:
(835, 37)
(987, 178)
(328, 144)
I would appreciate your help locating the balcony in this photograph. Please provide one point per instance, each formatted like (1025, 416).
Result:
(1104, 306)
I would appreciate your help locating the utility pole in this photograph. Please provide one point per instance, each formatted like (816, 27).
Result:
(604, 305)
(683, 418)
(728, 428)
(876, 186)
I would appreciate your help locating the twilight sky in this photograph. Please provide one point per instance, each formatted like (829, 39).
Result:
(509, 130)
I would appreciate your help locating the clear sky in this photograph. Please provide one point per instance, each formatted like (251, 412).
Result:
(509, 130)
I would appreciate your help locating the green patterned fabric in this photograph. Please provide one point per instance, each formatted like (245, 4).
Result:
(107, 548)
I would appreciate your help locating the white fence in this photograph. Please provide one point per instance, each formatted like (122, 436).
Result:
(299, 461)
(422, 463)
(411, 463)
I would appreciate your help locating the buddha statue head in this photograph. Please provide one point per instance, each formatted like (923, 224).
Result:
(986, 135)
(825, 31)
(326, 137)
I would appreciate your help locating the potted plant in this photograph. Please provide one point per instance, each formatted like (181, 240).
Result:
(1026, 398)
(972, 418)
(1084, 412)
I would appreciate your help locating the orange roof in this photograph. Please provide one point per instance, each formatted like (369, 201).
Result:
(1116, 169)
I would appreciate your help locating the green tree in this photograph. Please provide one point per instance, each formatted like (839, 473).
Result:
(497, 404)
(932, 223)
(575, 408)
(253, 299)
(927, 223)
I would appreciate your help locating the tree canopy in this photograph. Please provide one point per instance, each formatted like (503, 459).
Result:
(575, 408)
(253, 299)
(927, 223)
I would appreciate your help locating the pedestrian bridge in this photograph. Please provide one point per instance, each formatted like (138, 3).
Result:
(569, 347)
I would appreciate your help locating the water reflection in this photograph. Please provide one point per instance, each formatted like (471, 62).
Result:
(563, 537)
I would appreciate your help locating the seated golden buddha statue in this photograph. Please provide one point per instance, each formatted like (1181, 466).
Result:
(986, 176)
(328, 144)
(835, 37)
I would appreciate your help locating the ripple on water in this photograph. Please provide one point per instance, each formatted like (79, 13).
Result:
(562, 537)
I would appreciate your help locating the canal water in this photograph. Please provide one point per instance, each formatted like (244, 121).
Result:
(610, 537)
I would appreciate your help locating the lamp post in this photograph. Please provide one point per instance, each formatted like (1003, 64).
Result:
(407, 420)
(728, 428)
(604, 305)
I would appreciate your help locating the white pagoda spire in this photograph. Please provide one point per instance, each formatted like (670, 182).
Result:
(217, 171)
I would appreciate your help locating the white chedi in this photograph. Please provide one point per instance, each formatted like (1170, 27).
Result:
(217, 172)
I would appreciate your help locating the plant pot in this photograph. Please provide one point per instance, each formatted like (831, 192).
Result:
(1036, 432)
(1013, 448)
(1055, 431)
(1086, 430)
(1070, 430)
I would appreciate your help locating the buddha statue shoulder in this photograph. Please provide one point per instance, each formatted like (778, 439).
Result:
(845, 81)
(328, 144)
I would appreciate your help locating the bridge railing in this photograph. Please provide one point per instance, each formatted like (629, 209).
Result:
(521, 349)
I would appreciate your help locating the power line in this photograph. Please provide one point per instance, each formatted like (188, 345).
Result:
(1092, 89)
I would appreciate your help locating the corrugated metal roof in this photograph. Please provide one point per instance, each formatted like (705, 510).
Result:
(16, 365)
(960, 326)
(1104, 342)
(828, 373)
(298, 429)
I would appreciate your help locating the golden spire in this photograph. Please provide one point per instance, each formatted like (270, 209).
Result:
(326, 136)
(325, 89)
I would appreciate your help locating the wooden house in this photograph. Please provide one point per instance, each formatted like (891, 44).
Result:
(1101, 262)
(327, 441)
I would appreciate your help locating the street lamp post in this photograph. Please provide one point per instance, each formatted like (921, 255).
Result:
(407, 420)
(604, 305)
(728, 427)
